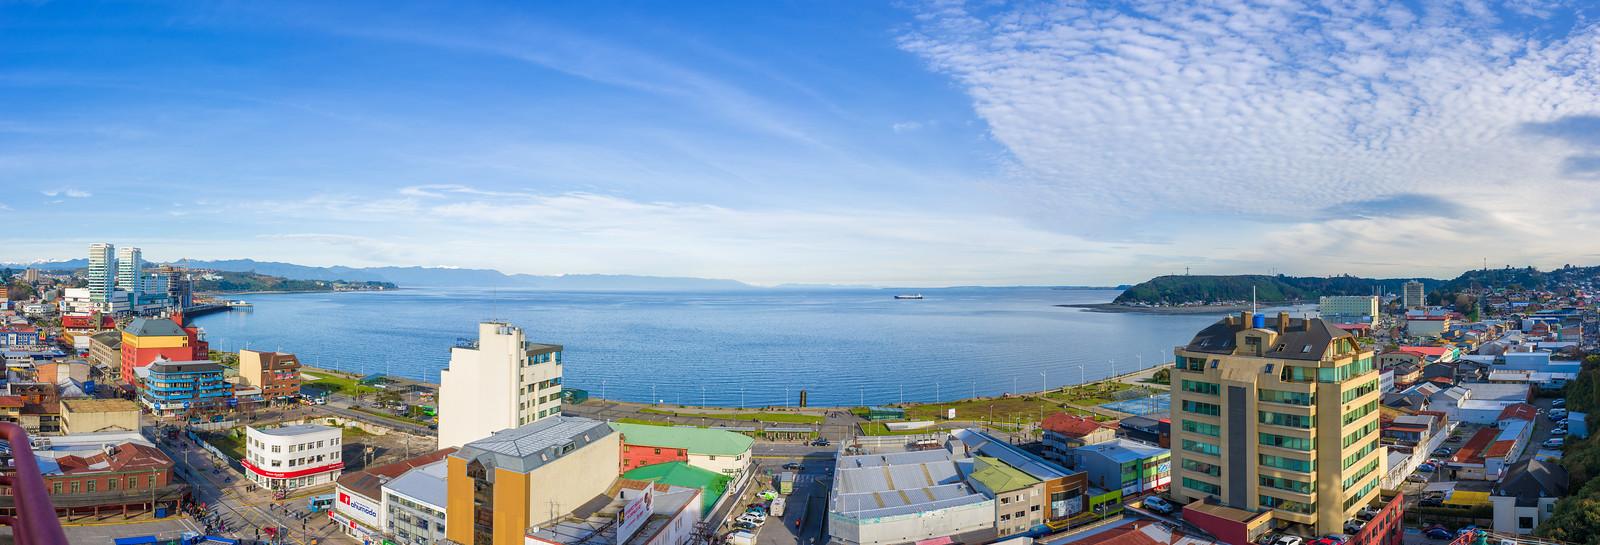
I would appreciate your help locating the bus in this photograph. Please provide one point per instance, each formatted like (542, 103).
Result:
(317, 504)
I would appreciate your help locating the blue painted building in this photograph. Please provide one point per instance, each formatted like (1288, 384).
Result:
(172, 388)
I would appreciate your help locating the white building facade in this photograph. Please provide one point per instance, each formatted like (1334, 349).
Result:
(292, 457)
(500, 382)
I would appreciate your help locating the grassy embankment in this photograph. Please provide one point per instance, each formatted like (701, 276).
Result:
(774, 418)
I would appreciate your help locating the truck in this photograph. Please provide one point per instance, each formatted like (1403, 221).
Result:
(776, 509)
(786, 482)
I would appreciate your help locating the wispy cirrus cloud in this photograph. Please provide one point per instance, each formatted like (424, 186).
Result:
(1342, 116)
(67, 192)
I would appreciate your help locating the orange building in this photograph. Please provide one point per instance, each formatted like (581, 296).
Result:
(146, 339)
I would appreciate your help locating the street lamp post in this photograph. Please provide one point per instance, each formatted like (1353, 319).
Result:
(1044, 381)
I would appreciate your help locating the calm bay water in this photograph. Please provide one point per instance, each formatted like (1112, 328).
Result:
(749, 348)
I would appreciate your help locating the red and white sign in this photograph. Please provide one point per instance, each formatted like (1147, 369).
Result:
(634, 513)
(290, 474)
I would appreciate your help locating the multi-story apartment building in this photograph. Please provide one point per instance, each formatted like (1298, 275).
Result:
(102, 271)
(501, 381)
(130, 266)
(1349, 309)
(291, 457)
(172, 388)
(1277, 414)
(277, 374)
(1413, 295)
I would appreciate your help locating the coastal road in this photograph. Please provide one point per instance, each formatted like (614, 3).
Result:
(352, 414)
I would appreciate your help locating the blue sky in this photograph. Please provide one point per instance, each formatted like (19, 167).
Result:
(849, 142)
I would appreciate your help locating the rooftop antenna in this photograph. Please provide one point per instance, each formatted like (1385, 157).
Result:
(1252, 299)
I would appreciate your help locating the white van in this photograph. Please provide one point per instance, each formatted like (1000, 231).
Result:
(776, 509)
(741, 538)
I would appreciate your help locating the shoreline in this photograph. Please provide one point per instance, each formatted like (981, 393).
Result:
(1114, 308)
(279, 292)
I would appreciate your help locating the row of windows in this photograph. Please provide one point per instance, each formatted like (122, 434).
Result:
(1357, 413)
(1202, 428)
(1284, 441)
(112, 483)
(1357, 455)
(1201, 387)
(1291, 398)
(1287, 505)
(1191, 363)
(297, 447)
(1201, 486)
(1291, 485)
(1202, 408)
(1364, 389)
(1345, 372)
(1202, 467)
(1361, 433)
(1357, 476)
(1202, 447)
(1291, 464)
(1356, 498)
(1288, 420)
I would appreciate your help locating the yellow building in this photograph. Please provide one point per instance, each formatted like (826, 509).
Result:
(1277, 414)
(501, 485)
(97, 415)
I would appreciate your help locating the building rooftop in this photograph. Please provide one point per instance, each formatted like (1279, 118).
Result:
(122, 457)
(1138, 532)
(154, 327)
(695, 440)
(294, 430)
(200, 366)
(1122, 450)
(1301, 339)
(368, 482)
(426, 484)
(711, 484)
(980, 443)
(1071, 425)
(528, 447)
(999, 476)
(98, 405)
(600, 528)
(899, 483)
(1225, 512)
(1520, 411)
(1533, 479)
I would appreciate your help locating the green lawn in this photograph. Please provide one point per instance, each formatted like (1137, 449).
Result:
(1005, 409)
(335, 383)
(392, 416)
(644, 422)
(352, 432)
(227, 443)
(1099, 393)
(781, 418)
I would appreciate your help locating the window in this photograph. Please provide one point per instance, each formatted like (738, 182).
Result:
(1287, 398)
(1364, 389)
(133, 482)
(1295, 373)
(111, 483)
(1358, 413)
(55, 488)
(74, 487)
(1291, 464)
(1359, 434)
(1287, 420)
(1202, 428)
(1358, 497)
(1358, 475)
(89, 485)
(1206, 388)
(1202, 467)
(276, 463)
(1286, 505)
(1202, 447)
(1284, 441)
(1202, 408)
(1357, 455)
(1202, 486)
(1291, 485)
(274, 448)
(1525, 523)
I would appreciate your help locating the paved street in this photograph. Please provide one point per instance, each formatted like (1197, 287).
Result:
(243, 508)
(807, 504)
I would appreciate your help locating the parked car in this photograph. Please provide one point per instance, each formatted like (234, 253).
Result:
(1417, 478)
(1439, 533)
(1427, 468)
(1288, 540)
(744, 525)
(1558, 414)
(1558, 432)
(1555, 442)
(750, 519)
(1443, 451)
(820, 442)
(1159, 505)
(1453, 439)
(1559, 403)
(794, 466)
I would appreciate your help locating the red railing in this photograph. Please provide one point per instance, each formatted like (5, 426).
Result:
(36, 522)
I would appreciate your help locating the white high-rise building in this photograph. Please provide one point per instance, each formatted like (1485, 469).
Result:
(102, 271)
(1412, 295)
(130, 265)
(502, 381)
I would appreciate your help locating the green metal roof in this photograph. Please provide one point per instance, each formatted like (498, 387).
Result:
(999, 476)
(695, 440)
(682, 474)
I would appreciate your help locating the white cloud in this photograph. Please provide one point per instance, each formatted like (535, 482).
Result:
(67, 192)
(1115, 115)
(906, 126)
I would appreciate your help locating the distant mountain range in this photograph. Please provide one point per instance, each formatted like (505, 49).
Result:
(439, 276)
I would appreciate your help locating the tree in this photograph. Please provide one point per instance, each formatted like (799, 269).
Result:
(1162, 376)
